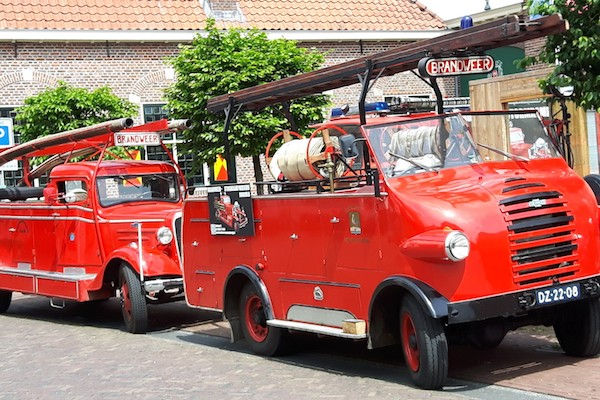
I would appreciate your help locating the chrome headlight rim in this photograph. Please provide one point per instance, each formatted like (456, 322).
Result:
(164, 235)
(452, 239)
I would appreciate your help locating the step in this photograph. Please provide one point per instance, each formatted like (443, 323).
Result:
(306, 327)
(70, 274)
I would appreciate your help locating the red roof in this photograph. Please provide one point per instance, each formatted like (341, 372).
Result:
(308, 15)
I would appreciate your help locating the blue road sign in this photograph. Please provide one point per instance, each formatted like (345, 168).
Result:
(6, 132)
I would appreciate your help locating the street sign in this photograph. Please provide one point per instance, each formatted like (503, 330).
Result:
(7, 136)
(137, 139)
(452, 66)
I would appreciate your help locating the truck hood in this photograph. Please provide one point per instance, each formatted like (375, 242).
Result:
(500, 206)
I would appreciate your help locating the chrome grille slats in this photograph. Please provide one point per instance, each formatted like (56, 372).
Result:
(540, 228)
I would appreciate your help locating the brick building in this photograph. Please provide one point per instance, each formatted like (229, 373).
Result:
(125, 44)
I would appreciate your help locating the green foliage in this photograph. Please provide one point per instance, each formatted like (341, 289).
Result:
(575, 53)
(226, 61)
(65, 107)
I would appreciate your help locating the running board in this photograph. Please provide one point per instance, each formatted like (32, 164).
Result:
(73, 275)
(320, 329)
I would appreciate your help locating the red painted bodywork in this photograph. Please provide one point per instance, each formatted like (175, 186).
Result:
(50, 237)
(397, 239)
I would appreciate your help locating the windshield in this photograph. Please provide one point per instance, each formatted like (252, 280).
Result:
(134, 188)
(446, 141)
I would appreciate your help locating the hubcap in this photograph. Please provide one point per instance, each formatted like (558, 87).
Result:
(255, 319)
(409, 342)
(125, 300)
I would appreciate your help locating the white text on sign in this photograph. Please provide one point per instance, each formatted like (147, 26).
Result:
(137, 139)
(435, 67)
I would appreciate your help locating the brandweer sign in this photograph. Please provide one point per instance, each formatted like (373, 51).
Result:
(452, 66)
(137, 139)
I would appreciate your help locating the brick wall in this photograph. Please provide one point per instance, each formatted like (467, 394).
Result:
(139, 72)
(532, 49)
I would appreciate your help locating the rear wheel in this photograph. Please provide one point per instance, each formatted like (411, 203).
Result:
(578, 328)
(424, 345)
(133, 301)
(5, 299)
(262, 338)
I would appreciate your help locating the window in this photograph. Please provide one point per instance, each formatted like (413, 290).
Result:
(155, 112)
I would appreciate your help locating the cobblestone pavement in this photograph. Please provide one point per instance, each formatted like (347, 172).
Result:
(81, 352)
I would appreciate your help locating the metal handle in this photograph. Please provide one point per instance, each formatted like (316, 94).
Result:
(195, 244)
(12, 229)
(55, 214)
(294, 236)
(334, 220)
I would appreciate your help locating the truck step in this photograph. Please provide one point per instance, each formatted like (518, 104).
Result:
(70, 274)
(306, 327)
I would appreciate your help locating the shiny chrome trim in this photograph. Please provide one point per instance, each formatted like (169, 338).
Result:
(59, 276)
(325, 283)
(156, 285)
(318, 315)
(36, 207)
(178, 240)
(44, 218)
(305, 327)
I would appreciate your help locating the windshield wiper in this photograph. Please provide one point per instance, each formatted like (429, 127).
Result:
(413, 162)
(506, 154)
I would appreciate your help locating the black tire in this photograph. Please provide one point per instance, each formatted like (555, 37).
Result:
(133, 301)
(425, 347)
(5, 299)
(264, 340)
(578, 328)
(593, 181)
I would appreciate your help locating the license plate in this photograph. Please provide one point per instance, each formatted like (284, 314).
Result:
(558, 294)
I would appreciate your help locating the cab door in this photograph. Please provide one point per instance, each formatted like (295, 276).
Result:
(75, 232)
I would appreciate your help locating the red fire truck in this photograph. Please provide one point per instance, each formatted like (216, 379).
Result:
(413, 230)
(98, 228)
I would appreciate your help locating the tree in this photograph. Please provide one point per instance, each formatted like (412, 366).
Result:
(227, 61)
(65, 107)
(575, 52)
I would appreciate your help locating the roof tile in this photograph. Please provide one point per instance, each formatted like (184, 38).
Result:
(354, 15)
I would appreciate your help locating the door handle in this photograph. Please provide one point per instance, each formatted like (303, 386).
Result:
(294, 236)
(12, 229)
(55, 214)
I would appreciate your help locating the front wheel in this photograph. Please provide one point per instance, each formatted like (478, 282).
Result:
(5, 299)
(578, 328)
(424, 345)
(262, 338)
(133, 301)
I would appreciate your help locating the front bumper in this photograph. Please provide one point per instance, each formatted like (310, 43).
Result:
(513, 304)
(168, 285)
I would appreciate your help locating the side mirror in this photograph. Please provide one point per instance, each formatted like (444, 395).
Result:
(76, 196)
(348, 146)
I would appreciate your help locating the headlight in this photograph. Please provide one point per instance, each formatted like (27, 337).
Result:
(164, 235)
(457, 246)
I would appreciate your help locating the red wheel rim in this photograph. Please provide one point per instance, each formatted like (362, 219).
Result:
(125, 300)
(409, 342)
(255, 319)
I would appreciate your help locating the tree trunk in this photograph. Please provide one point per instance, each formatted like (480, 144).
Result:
(258, 175)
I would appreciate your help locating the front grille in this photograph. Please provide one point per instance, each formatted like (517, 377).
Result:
(177, 229)
(541, 232)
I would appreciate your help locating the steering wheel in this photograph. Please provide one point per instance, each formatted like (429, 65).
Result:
(286, 138)
(329, 148)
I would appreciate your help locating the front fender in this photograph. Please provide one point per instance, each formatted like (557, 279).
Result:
(156, 263)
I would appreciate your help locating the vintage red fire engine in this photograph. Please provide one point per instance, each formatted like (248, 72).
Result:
(412, 229)
(98, 228)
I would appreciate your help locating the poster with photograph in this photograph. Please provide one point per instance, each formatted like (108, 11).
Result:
(230, 209)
